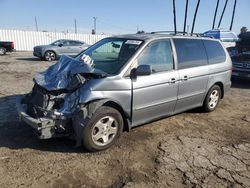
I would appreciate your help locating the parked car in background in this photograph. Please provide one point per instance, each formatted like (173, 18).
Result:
(240, 55)
(125, 81)
(6, 47)
(54, 50)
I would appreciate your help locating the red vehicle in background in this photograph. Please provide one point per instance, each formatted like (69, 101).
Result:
(6, 47)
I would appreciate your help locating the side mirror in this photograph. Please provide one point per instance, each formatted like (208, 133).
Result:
(60, 45)
(143, 70)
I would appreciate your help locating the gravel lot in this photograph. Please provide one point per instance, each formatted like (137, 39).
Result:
(192, 149)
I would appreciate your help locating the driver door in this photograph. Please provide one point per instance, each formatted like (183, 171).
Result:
(155, 95)
(64, 48)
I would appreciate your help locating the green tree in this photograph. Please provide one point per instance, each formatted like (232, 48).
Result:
(243, 29)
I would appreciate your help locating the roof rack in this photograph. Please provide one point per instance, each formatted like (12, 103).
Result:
(176, 33)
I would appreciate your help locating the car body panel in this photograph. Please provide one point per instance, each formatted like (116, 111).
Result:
(154, 96)
(192, 87)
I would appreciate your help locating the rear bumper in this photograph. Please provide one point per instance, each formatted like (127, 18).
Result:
(44, 127)
(239, 73)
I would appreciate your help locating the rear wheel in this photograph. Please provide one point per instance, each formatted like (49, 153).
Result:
(212, 99)
(103, 129)
(2, 51)
(50, 56)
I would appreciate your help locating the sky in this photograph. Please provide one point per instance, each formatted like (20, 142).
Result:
(116, 16)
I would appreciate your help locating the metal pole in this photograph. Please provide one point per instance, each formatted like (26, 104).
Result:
(75, 27)
(232, 21)
(215, 13)
(222, 14)
(36, 24)
(185, 20)
(95, 24)
(175, 30)
(195, 14)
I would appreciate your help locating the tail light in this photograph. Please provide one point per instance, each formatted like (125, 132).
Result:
(12, 45)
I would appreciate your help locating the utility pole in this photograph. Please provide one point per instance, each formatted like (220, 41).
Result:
(215, 13)
(222, 14)
(232, 21)
(36, 24)
(95, 18)
(75, 27)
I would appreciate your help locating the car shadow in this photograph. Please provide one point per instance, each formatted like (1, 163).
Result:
(29, 59)
(240, 83)
(18, 135)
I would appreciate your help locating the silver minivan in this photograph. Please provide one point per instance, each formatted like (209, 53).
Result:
(125, 81)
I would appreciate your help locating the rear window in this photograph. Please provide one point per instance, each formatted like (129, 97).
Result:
(215, 52)
(190, 53)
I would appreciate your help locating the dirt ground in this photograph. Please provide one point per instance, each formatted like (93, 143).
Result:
(192, 149)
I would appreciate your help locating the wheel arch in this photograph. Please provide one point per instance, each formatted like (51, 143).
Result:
(221, 85)
(95, 104)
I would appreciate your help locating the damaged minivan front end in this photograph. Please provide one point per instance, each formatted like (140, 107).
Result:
(54, 99)
(87, 97)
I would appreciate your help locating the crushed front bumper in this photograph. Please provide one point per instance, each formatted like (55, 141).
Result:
(44, 127)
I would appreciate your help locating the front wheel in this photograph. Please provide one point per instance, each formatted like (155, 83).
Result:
(50, 56)
(103, 129)
(2, 51)
(212, 99)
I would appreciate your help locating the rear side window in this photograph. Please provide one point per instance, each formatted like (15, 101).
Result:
(75, 43)
(215, 52)
(190, 53)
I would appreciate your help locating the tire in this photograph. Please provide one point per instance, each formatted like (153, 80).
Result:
(212, 99)
(2, 51)
(103, 129)
(50, 56)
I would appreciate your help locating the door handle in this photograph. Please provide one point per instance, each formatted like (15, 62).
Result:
(172, 80)
(185, 78)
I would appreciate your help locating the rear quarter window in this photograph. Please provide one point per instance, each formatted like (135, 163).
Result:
(190, 53)
(215, 52)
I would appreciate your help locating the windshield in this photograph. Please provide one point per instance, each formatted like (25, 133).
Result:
(111, 54)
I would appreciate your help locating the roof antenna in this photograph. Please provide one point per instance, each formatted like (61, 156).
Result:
(215, 13)
(222, 14)
(175, 30)
(185, 19)
(231, 26)
(195, 14)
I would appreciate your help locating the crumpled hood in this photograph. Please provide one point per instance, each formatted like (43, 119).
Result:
(60, 75)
